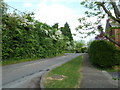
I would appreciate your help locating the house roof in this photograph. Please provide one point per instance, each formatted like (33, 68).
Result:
(111, 23)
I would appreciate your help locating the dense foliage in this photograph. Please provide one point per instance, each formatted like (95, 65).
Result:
(103, 53)
(24, 37)
(66, 31)
(79, 45)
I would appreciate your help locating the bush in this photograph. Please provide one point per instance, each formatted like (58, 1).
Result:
(84, 50)
(103, 53)
(118, 56)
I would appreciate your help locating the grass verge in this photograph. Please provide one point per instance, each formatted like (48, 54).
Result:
(71, 72)
(0, 63)
(14, 61)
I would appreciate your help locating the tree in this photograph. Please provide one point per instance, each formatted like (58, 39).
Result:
(3, 7)
(79, 45)
(66, 31)
(100, 10)
(56, 25)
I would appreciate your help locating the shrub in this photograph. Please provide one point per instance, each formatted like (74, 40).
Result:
(118, 56)
(103, 53)
(84, 50)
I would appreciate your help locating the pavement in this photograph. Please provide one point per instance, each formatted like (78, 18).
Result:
(94, 78)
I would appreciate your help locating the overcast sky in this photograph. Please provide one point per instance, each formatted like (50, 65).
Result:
(53, 11)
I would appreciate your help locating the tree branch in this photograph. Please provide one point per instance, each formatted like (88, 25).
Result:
(110, 39)
(116, 10)
(109, 14)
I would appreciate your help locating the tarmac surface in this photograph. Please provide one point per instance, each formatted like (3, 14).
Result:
(94, 78)
(27, 74)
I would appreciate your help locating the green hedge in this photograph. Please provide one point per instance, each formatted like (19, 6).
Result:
(118, 56)
(30, 38)
(103, 53)
(25, 37)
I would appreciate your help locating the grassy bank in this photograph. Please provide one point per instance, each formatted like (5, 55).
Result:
(69, 73)
(14, 61)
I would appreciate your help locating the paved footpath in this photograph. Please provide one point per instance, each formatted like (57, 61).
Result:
(93, 78)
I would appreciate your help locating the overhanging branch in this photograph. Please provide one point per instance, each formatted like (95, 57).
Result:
(108, 12)
(116, 10)
(110, 39)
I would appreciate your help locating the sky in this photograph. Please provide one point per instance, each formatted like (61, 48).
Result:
(54, 11)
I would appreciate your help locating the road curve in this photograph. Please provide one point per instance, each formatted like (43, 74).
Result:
(15, 72)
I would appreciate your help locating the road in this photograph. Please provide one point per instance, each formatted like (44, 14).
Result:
(14, 75)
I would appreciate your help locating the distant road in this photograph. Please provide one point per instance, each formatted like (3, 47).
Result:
(15, 72)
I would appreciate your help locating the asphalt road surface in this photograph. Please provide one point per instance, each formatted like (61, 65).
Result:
(14, 75)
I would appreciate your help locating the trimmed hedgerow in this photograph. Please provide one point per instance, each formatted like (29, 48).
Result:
(24, 37)
(103, 53)
(118, 56)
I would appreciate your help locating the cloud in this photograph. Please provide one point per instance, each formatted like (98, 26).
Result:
(52, 13)
(19, 0)
(28, 4)
(57, 13)
(61, 1)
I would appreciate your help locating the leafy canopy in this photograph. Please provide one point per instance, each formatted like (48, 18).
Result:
(98, 11)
